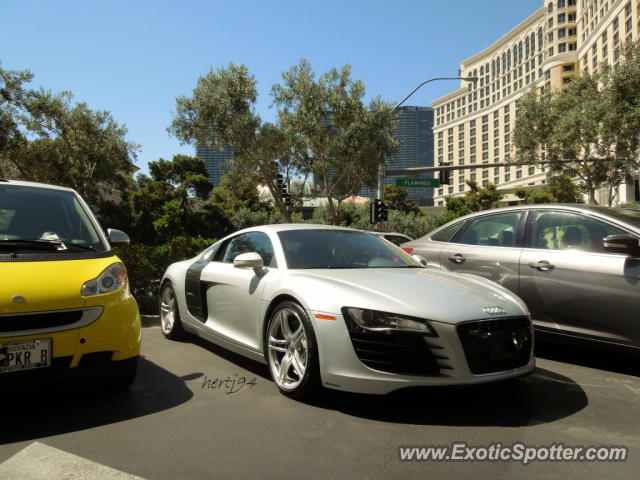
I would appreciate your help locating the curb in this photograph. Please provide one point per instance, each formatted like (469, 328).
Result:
(150, 320)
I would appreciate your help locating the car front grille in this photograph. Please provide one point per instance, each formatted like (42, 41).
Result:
(497, 344)
(49, 321)
(393, 352)
(35, 321)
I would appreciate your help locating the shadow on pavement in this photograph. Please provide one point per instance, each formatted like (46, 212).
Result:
(36, 412)
(617, 362)
(541, 397)
(256, 368)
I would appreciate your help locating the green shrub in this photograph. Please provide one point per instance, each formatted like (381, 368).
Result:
(146, 263)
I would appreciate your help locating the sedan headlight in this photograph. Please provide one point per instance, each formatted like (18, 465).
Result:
(375, 321)
(111, 279)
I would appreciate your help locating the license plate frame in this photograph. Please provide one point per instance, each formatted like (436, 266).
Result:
(24, 355)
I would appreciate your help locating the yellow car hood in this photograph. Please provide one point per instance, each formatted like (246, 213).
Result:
(47, 285)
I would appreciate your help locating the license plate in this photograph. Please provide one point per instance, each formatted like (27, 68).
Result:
(25, 355)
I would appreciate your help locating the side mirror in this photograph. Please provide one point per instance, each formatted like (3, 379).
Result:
(249, 260)
(420, 259)
(117, 237)
(621, 243)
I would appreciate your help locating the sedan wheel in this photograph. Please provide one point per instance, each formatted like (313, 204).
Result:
(169, 314)
(291, 350)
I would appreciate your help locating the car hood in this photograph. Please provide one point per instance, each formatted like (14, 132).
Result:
(422, 292)
(47, 285)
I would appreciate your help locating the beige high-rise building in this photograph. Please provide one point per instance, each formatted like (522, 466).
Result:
(473, 124)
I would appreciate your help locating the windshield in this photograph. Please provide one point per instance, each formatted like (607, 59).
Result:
(341, 249)
(32, 216)
(625, 214)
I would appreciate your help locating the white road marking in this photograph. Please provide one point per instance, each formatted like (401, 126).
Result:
(39, 462)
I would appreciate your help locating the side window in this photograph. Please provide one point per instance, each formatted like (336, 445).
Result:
(492, 230)
(447, 234)
(558, 230)
(248, 242)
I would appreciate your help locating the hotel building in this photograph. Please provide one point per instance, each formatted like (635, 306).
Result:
(473, 125)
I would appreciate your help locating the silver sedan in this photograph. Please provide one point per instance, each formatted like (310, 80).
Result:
(344, 309)
(576, 267)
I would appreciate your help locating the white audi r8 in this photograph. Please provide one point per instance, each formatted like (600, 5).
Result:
(344, 309)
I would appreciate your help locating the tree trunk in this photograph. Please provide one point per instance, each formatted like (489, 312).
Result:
(334, 212)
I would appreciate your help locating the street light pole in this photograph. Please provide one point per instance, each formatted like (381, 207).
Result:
(380, 192)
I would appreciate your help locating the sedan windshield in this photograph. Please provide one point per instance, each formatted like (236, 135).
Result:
(341, 249)
(34, 218)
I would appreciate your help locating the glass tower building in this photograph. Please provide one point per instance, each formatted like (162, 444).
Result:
(415, 131)
(213, 161)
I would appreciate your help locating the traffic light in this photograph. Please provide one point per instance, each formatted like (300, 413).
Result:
(379, 211)
(444, 175)
(384, 212)
(284, 191)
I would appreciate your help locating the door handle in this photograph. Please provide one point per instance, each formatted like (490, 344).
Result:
(457, 258)
(542, 265)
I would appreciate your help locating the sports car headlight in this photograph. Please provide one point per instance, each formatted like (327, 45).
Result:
(110, 280)
(375, 321)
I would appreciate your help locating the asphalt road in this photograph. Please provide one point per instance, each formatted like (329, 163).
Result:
(174, 424)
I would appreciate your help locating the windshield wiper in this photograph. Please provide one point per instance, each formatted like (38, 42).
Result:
(34, 243)
(80, 246)
(44, 244)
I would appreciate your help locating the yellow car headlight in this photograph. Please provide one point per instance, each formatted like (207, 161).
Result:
(111, 279)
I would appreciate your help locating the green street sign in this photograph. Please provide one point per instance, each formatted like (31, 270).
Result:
(417, 182)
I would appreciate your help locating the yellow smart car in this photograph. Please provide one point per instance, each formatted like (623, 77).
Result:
(65, 305)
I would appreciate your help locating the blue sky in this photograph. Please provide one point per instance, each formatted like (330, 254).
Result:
(134, 57)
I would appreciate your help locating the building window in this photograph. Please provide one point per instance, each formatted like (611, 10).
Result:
(562, 17)
(532, 170)
(550, 23)
(551, 52)
(561, 3)
(550, 7)
(533, 43)
(540, 39)
(562, 47)
(562, 32)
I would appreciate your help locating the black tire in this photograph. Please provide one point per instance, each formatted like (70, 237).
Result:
(122, 375)
(170, 323)
(300, 350)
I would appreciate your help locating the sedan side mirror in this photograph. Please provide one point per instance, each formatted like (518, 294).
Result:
(420, 259)
(117, 237)
(249, 260)
(621, 243)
